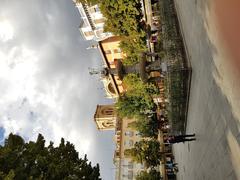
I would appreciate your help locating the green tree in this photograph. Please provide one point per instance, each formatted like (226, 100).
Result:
(89, 2)
(145, 151)
(122, 17)
(32, 160)
(132, 47)
(146, 126)
(151, 175)
(130, 105)
(138, 98)
(136, 86)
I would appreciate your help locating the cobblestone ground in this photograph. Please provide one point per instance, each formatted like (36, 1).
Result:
(212, 113)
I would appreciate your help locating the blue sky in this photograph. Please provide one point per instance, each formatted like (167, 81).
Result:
(1, 135)
(45, 85)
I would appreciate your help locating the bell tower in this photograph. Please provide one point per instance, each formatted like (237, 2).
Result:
(105, 117)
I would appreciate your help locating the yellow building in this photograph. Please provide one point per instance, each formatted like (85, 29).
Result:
(110, 51)
(125, 137)
(105, 117)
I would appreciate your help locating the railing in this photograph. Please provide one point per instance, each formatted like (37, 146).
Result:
(178, 72)
(85, 7)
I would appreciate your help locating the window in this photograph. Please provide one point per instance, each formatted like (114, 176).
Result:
(99, 33)
(88, 33)
(108, 51)
(108, 124)
(117, 50)
(107, 111)
(129, 133)
(130, 165)
(128, 143)
(96, 9)
(98, 21)
(93, 9)
(130, 175)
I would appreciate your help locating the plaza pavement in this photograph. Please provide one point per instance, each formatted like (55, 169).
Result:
(213, 112)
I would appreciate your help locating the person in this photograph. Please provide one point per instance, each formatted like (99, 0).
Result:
(180, 138)
(172, 166)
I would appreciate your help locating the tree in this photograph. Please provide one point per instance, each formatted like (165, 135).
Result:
(135, 85)
(151, 175)
(138, 98)
(146, 126)
(32, 160)
(130, 105)
(145, 151)
(132, 47)
(122, 17)
(89, 2)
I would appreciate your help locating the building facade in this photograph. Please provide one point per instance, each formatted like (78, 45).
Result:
(125, 137)
(92, 22)
(105, 117)
(111, 52)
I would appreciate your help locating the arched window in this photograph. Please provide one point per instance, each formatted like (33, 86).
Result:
(107, 111)
(108, 124)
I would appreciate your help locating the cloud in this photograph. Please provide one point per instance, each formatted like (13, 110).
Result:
(6, 31)
(44, 82)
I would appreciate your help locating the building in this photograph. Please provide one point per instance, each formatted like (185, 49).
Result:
(111, 52)
(125, 137)
(105, 117)
(92, 22)
(115, 70)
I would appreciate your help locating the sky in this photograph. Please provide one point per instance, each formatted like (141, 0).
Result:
(45, 85)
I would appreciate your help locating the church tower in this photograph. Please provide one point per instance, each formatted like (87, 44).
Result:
(105, 117)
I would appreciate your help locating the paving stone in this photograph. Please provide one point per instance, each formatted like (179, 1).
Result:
(210, 114)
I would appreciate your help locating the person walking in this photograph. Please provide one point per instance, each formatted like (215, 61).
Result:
(180, 138)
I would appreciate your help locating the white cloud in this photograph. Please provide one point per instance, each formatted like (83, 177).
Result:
(20, 69)
(6, 31)
(30, 110)
(17, 68)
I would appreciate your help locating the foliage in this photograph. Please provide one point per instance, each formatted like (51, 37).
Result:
(133, 47)
(151, 175)
(145, 151)
(135, 85)
(20, 160)
(89, 2)
(132, 105)
(122, 17)
(146, 126)
(138, 98)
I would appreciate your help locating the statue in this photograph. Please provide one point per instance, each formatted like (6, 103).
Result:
(143, 68)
